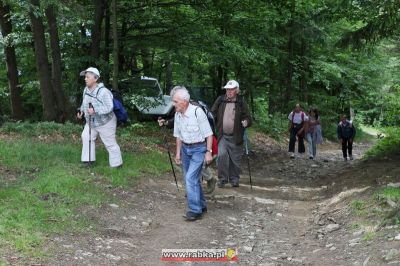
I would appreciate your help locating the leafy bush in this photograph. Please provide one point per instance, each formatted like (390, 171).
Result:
(389, 144)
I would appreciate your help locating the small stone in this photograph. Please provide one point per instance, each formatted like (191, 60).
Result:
(316, 250)
(214, 242)
(359, 232)
(248, 249)
(264, 201)
(112, 205)
(392, 255)
(145, 224)
(396, 185)
(332, 227)
(365, 263)
(232, 218)
(332, 248)
(397, 237)
(279, 214)
(329, 245)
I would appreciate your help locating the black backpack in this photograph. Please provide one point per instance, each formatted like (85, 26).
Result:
(207, 111)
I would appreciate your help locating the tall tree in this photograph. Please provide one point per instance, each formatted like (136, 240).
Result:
(11, 62)
(42, 63)
(57, 63)
(96, 29)
(115, 46)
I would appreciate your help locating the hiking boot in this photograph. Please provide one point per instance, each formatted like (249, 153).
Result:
(292, 155)
(221, 183)
(351, 158)
(87, 164)
(204, 210)
(235, 184)
(311, 158)
(191, 216)
(211, 185)
(345, 159)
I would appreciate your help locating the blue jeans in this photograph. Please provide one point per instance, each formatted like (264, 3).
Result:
(312, 145)
(192, 160)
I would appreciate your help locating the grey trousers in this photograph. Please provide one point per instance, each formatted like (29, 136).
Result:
(229, 156)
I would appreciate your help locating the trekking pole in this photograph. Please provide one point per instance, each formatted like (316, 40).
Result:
(246, 145)
(169, 155)
(90, 135)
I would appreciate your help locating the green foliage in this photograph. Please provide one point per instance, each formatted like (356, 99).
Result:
(358, 207)
(273, 124)
(387, 145)
(392, 193)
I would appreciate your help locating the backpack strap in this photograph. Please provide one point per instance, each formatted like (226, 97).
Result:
(97, 94)
(302, 116)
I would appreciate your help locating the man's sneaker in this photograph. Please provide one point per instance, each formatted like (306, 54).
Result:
(211, 185)
(311, 158)
(191, 216)
(292, 155)
(221, 183)
(345, 159)
(235, 184)
(351, 158)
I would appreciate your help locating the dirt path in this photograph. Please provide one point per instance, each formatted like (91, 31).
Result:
(293, 216)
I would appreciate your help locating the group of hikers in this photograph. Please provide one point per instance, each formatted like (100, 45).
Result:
(307, 126)
(197, 143)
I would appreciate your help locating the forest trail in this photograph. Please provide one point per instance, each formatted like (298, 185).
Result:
(296, 214)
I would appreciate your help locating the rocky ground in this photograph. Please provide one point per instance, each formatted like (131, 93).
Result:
(296, 214)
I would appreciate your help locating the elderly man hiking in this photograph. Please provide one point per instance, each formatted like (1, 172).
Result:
(232, 117)
(193, 145)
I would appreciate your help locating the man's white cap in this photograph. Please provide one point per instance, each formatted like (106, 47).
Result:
(231, 84)
(92, 70)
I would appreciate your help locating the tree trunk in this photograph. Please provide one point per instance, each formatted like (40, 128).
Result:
(42, 65)
(122, 35)
(11, 62)
(168, 75)
(115, 49)
(290, 51)
(56, 66)
(304, 70)
(96, 29)
(146, 61)
(106, 52)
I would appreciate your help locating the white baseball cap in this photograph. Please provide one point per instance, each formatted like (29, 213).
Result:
(92, 70)
(231, 84)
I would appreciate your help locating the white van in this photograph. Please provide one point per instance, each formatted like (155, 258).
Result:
(146, 95)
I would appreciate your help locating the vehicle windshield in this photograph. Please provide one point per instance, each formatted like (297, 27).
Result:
(142, 87)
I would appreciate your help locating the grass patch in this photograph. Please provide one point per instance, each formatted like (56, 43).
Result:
(392, 193)
(358, 207)
(387, 145)
(50, 185)
(368, 236)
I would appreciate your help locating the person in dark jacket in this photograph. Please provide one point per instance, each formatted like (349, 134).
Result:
(232, 116)
(346, 132)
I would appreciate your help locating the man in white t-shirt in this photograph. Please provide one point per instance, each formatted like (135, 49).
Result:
(193, 147)
(297, 128)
